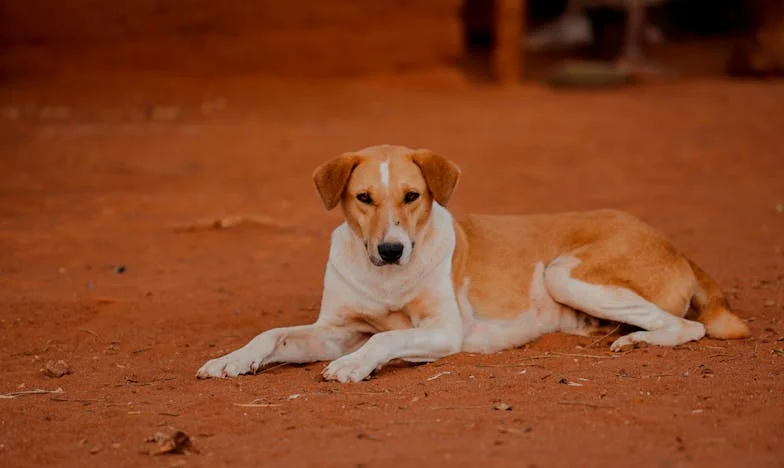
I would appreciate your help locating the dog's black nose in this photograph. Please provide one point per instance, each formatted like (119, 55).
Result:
(390, 252)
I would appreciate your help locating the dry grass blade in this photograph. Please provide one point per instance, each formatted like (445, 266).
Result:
(603, 337)
(458, 407)
(440, 374)
(543, 356)
(234, 221)
(510, 430)
(519, 364)
(592, 356)
(267, 369)
(257, 405)
(87, 330)
(38, 391)
(579, 403)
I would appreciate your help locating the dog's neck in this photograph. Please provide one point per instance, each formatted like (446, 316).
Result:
(391, 287)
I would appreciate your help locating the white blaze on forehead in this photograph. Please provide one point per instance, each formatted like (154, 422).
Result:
(384, 169)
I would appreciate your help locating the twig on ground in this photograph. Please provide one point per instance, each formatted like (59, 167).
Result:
(256, 405)
(87, 330)
(233, 221)
(78, 400)
(459, 407)
(267, 369)
(542, 356)
(580, 403)
(499, 365)
(735, 358)
(600, 339)
(440, 374)
(510, 430)
(520, 364)
(592, 356)
(37, 391)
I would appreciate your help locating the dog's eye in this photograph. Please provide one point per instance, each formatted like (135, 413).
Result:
(410, 197)
(364, 197)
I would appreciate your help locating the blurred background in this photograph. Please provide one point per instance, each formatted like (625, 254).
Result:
(157, 210)
(353, 37)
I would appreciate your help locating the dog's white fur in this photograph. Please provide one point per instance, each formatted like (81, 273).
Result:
(352, 284)
(420, 310)
(619, 305)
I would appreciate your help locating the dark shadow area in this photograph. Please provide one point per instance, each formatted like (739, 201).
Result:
(699, 35)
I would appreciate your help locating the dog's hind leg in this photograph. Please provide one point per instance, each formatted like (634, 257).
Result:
(620, 304)
(305, 343)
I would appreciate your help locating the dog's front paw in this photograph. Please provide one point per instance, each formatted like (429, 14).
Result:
(231, 365)
(350, 368)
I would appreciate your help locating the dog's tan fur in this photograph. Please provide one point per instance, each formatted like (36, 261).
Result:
(481, 283)
(615, 248)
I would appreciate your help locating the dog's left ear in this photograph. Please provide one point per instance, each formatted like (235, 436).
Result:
(440, 174)
(332, 176)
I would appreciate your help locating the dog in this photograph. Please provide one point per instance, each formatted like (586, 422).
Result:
(406, 280)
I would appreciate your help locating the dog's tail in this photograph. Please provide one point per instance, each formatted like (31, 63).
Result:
(713, 310)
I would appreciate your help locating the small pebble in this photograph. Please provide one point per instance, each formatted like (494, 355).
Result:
(769, 303)
(119, 269)
(57, 369)
(502, 406)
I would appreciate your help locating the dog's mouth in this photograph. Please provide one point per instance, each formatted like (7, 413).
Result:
(379, 262)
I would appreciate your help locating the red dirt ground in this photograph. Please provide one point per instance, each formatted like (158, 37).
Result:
(104, 186)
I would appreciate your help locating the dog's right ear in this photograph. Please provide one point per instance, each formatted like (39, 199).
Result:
(332, 176)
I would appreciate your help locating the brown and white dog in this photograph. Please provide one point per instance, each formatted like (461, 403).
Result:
(405, 280)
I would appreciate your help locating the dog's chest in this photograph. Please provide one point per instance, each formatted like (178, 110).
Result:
(380, 294)
(380, 321)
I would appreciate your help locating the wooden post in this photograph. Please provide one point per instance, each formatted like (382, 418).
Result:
(509, 30)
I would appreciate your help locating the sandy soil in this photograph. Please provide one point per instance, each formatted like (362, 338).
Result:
(89, 181)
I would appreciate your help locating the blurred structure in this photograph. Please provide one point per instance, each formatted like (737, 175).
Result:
(762, 54)
(335, 38)
(302, 38)
(509, 25)
(574, 28)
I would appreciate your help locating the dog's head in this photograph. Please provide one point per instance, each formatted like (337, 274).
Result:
(387, 194)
